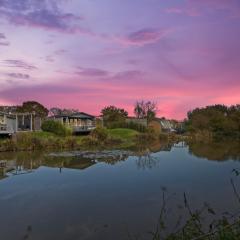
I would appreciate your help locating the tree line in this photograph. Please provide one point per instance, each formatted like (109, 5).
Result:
(218, 120)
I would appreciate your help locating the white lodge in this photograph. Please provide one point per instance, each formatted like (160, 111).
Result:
(79, 122)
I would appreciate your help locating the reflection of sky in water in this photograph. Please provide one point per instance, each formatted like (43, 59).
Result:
(105, 201)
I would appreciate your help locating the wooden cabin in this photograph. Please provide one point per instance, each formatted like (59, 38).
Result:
(80, 122)
(7, 124)
(11, 123)
(158, 124)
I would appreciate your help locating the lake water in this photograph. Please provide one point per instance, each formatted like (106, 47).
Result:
(111, 195)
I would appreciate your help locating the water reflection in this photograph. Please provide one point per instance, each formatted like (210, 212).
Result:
(216, 151)
(27, 162)
(97, 195)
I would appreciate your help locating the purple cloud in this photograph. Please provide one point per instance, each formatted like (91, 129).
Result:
(2, 36)
(25, 5)
(190, 11)
(49, 58)
(60, 51)
(18, 64)
(126, 75)
(92, 72)
(5, 44)
(196, 8)
(143, 37)
(47, 20)
(18, 75)
(33, 13)
(3, 41)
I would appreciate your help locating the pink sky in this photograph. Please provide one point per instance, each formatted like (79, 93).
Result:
(86, 54)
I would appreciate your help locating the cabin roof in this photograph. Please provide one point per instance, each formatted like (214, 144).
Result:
(81, 115)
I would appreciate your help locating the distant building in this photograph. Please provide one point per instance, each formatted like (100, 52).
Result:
(140, 121)
(7, 124)
(167, 125)
(159, 124)
(11, 122)
(80, 122)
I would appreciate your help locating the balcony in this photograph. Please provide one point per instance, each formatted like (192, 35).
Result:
(83, 129)
(3, 128)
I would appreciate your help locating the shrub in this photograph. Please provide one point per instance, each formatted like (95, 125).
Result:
(131, 125)
(90, 142)
(146, 138)
(70, 142)
(7, 145)
(113, 140)
(163, 136)
(99, 134)
(56, 128)
(54, 143)
(27, 141)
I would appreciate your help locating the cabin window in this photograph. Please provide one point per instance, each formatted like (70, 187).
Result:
(2, 120)
(71, 121)
(89, 123)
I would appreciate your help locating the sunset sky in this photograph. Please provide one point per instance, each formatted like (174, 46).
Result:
(87, 54)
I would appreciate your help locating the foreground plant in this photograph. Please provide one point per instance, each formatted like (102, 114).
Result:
(201, 224)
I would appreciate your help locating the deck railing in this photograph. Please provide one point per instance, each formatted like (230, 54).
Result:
(83, 128)
(3, 127)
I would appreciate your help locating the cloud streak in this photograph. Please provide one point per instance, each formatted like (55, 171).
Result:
(12, 63)
(32, 13)
(3, 40)
(143, 37)
(92, 72)
(18, 75)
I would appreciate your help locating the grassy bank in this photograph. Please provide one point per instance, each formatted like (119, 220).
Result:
(126, 136)
(31, 141)
(118, 138)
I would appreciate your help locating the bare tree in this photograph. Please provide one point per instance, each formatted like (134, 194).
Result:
(146, 110)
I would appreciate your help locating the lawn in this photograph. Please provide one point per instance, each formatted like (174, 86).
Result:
(123, 133)
(126, 135)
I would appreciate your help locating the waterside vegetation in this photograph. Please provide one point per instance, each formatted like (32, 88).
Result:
(114, 131)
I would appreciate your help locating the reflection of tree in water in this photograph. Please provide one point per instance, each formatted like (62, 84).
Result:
(27, 162)
(144, 152)
(219, 151)
(20, 163)
(147, 161)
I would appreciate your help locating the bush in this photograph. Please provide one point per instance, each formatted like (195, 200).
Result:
(163, 137)
(99, 134)
(56, 128)
(71, 142)
(146, 138)
(131, 125)
(54, 143)
(7, 145)
(90, 142)
(113, 141)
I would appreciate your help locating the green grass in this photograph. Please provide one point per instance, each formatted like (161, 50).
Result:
(42, 134)
(123, 133)
(126, 135)
(44, 140)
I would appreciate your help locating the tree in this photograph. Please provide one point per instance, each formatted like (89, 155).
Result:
(33, 107)
(58, 111)
(113, 114)
(216, 119)
(147, 110)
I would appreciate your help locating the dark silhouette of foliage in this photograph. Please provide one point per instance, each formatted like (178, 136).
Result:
(219, 120)
(55, 127)
(33, 107)
(112, 114)
(146, 110)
